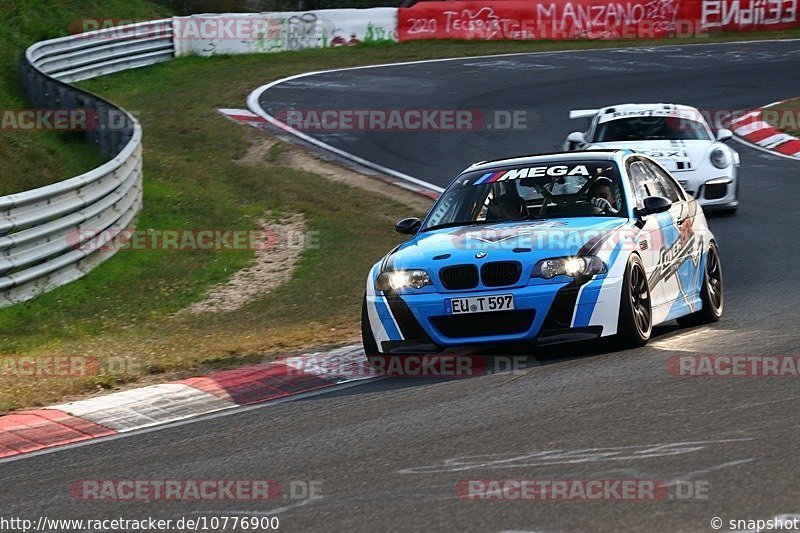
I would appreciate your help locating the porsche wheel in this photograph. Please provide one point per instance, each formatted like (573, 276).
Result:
(711, 295)
(635, 310)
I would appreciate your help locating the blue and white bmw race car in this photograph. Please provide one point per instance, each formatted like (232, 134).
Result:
(545, 249)
(678, 137)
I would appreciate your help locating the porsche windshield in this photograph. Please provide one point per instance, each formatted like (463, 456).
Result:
(555, 189)
(650, 129)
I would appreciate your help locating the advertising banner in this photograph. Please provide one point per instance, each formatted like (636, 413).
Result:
(590, 19)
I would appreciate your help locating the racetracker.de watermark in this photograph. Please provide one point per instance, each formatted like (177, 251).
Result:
(536, 235)
(406, 365)
(555, 28)
(783, 119)
(197, 240)
(241, 28)
(734, 366)
(52, 119)
(244, 28)
(636, 490)
(65, 366)
(691, 120)
(146, 490)
(409, 120)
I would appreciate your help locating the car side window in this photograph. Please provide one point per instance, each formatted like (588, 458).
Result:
(666, 184)
(639, 181)
(654, 184)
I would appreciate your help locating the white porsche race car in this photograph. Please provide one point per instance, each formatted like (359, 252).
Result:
(678, 137)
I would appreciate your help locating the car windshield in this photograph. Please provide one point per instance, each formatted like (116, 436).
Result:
(546, 190)
(651, 128)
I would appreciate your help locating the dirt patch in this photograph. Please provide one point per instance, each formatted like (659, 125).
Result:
(273, 266)
(266, 149)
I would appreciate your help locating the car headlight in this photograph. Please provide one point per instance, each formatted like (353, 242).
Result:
(719, 158)
(402, 279)
(586, 265)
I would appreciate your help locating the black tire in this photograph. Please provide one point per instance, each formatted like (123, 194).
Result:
(367, 338)
(712, 294)
(635, 324)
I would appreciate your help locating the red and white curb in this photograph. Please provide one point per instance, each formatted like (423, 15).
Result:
(121, 412)
(244, 116)
(754, 130)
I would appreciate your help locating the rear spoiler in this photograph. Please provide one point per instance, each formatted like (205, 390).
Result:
(582, 113)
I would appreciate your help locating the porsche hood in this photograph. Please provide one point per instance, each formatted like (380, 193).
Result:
(675, 156)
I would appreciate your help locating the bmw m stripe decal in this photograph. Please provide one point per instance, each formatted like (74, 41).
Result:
(380, 318)
(389, 325)
(587, 299)
(562, 309)
(409, 327)
(489, 177)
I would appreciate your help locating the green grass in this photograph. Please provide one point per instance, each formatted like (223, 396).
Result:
(32, 159)
(126, 307)
(785, 116)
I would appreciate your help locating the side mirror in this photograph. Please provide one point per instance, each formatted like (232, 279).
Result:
(408, 226)
(575, 138)
(724, 135)
(654, 205)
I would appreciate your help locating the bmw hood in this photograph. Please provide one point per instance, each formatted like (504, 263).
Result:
(525, 241)
(675, 156)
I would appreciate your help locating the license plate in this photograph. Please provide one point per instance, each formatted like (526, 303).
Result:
(482, 304)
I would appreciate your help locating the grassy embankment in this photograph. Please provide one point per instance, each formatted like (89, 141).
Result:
(32, 159)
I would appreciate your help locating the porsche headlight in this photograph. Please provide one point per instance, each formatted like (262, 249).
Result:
(402, 279)
(719, 158)
(587, 265)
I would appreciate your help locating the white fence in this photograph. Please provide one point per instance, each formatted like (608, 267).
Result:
(55, 234)
(251, 33)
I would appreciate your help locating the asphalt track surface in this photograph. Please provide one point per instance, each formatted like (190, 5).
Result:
(390, 452)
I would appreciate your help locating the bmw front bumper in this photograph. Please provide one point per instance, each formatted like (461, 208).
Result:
(544, 313)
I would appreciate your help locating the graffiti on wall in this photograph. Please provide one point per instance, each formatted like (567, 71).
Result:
(276, 32)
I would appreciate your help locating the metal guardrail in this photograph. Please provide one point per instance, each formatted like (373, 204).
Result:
(55, 234)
